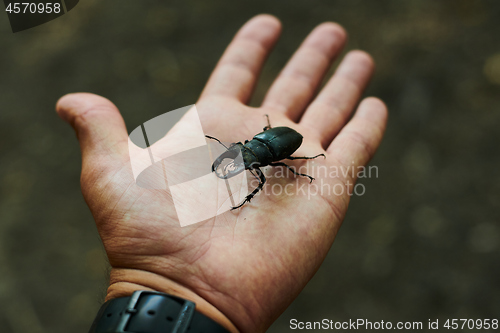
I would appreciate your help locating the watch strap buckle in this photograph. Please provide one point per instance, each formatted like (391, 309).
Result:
(183, 319)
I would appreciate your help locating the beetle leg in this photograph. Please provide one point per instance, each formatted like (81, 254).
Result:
(253, 174)
(291, 169)
(262, 181)
(268, 124)
(211, 137)
(305, 157)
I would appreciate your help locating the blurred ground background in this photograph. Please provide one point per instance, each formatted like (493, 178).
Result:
(422, 243)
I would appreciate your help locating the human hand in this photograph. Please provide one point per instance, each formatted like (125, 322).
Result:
(245, 273)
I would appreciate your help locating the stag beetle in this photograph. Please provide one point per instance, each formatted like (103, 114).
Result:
(273, 144)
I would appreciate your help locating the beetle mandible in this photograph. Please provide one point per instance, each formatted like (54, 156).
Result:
(273, 144)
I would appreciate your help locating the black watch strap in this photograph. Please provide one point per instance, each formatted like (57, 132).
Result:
(152, 312)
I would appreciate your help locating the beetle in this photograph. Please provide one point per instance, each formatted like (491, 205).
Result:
(269, 147)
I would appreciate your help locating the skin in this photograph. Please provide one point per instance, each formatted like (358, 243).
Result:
(244, 273)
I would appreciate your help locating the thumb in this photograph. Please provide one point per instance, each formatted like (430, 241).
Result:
(99, 127)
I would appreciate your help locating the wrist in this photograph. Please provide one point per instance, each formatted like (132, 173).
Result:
(123, 282)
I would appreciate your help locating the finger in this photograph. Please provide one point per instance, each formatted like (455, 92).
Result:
(236, 73)
(328, 113)
(99, 127)
(297, 83)
(359, 139)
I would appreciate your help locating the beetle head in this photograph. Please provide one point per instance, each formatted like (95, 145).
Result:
(233, 167)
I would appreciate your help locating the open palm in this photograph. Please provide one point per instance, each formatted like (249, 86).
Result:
(244, 267)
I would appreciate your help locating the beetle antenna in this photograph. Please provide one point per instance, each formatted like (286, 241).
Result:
(268, 123)
(211, 137)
